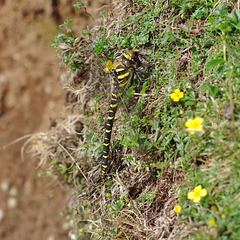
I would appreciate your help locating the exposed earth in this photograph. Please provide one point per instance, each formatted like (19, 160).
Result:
(30, 96)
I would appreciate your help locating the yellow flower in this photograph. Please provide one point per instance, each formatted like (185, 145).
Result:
(211, 222)
(223, 216)
(197, 193)
(109, 66)
(194, 125)
(178, 208)
(176, 95)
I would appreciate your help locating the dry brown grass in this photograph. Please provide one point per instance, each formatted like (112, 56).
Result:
(64, 144)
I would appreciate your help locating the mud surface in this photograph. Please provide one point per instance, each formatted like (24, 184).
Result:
(30, 95)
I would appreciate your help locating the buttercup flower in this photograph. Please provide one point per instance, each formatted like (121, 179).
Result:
(109, 66)
(211, 222)
(194, 125)
(178, 208)
(176, 95)
(223, 216)
(197, 194)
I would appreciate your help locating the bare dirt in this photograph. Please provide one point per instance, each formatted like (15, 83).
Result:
(30, 95)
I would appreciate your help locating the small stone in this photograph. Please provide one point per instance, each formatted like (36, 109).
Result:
(12, 202)
(13, 192)
(1, 214)
(4, 186)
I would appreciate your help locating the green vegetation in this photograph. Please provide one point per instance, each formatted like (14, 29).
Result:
(159, 155)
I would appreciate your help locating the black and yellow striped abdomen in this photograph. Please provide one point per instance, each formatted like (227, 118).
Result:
(108, 132)
(122, 76)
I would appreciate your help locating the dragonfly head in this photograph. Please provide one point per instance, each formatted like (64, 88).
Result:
(131, 59)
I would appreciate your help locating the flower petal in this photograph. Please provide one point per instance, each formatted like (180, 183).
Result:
(178, 208)
(203, 192)
(176, 91)
(199, 128)
(181, 95)
(106, 70)
(199, 120)
(191, 132)
(211, 222)
(188, 123)
(172, 95)
(190, 195)
(197, 199)
(198, 188)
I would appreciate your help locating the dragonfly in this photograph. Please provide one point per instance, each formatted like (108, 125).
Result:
(121, 74)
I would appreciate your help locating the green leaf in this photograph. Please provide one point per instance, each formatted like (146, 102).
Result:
(102, 14)
(190, 103)
(214, 63)
(66, 23)
(199, 13)
(221, 10)
(85, 32)
(213, 90)
(79, 5)
(235, 19)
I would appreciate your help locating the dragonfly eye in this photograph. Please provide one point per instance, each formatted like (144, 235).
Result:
(127, 60)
